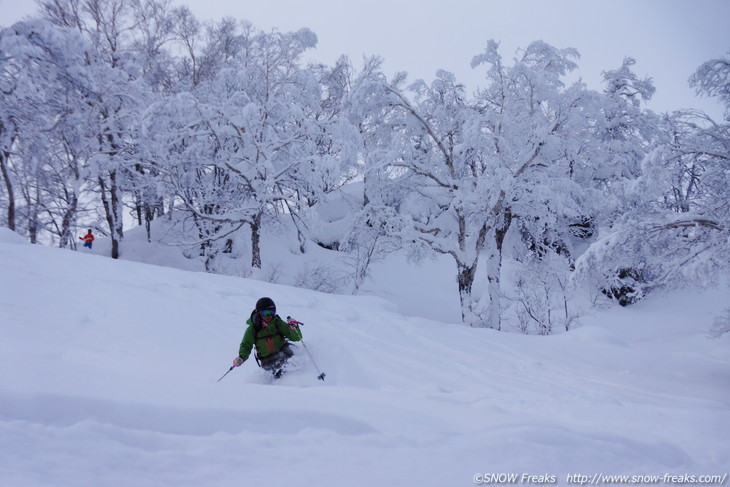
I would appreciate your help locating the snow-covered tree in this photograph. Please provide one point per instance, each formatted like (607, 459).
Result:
(371, 237)
(250, 143)
(675, 226)
(543, 294)
(45, 77)
(721, 325)
(712, 78)
(119, 92)
(459, 171)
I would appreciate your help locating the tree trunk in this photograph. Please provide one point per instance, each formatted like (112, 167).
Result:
(204, 241)
(466, 274)
(256, 241)
(494, 264)
(138, 206)
(68, 217)
(4, 157)
(494, 272)
(112, 208)
(33, 206)
(149, 215)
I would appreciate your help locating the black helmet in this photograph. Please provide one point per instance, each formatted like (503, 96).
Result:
(265, 304)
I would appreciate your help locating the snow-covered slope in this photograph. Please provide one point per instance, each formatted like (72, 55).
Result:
(108, 375)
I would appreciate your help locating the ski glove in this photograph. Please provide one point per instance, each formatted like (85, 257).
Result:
(238, 361)
(293, 324)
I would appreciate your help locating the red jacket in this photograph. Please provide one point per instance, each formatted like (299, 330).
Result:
(89, 237)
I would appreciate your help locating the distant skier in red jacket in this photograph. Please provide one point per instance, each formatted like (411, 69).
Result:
(88, 239)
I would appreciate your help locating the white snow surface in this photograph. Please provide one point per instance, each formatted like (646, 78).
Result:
(109, 369)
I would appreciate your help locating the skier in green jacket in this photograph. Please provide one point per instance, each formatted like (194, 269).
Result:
(269, 334)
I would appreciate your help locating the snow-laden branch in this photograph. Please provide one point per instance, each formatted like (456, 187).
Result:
(404, 103)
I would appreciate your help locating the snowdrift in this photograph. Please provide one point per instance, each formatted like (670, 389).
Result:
(108, 375)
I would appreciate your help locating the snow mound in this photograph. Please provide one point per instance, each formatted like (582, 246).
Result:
(9, 236)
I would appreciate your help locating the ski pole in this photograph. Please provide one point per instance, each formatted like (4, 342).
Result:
(232, 367)
(321, 374)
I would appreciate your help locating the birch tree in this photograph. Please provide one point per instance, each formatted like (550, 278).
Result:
(118, 94)
(45, 76)
(252, 137)
(674, 230)
(458, 171)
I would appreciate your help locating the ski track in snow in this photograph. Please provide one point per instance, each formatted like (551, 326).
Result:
(108, 377)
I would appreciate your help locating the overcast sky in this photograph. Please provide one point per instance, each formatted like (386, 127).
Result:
(668, 38)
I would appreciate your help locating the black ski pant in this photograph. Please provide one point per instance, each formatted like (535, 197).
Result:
(276, 362)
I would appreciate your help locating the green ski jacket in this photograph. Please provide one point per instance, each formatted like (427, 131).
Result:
(268, 339)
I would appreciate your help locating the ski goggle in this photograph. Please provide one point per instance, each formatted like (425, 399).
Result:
(265, 313)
